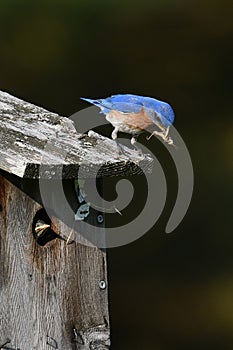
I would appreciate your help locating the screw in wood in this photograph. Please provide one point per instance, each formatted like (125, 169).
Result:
(100, 218)
(102, 284)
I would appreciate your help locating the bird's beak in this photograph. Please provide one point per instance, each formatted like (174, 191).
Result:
(42, 227)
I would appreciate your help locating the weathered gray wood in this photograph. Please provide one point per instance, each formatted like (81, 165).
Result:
(51, 294)
(31, 136)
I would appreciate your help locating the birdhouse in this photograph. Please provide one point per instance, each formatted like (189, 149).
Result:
(53, 280)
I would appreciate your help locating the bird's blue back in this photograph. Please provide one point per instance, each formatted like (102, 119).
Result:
(128, 103)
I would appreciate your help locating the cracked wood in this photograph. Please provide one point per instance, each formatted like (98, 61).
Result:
(31, 136)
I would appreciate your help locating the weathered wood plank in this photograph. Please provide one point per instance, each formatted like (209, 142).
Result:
(31, 136)
(49, 294)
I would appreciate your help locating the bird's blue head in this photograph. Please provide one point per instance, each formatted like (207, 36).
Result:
(159, 110)
(166, 113)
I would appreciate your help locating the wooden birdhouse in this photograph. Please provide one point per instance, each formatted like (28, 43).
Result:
(53, 286)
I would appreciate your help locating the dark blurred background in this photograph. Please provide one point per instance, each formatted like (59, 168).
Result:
(167, 292)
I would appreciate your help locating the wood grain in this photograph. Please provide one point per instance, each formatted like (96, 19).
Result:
(51, 294)
(31, 136)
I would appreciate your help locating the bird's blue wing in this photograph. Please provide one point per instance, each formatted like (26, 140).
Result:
(126, 103)
(157, 111)
(123, 103)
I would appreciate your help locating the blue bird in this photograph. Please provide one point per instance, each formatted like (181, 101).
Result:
(133, 114)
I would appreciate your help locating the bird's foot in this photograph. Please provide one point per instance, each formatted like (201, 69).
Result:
(120, 150)
(135, 146)
(163, 135)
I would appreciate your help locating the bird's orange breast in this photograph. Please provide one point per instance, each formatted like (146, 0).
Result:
(133, 121)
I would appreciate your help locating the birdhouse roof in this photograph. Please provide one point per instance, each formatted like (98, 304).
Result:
(36, 143)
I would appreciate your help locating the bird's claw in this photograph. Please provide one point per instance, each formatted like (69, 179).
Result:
(163, 135)
(149, 137)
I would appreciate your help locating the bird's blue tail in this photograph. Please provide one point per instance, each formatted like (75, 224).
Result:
(101, 103)
(89, 100)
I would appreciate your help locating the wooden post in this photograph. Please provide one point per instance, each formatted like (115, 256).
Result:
(53, 295)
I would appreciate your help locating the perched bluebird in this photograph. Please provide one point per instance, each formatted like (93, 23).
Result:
(133, 114)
